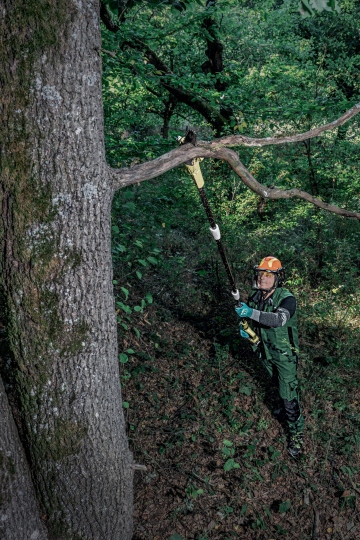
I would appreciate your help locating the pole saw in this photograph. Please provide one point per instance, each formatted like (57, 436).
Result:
(193, 167)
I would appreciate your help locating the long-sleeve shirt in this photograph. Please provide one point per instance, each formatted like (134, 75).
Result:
(277, 318)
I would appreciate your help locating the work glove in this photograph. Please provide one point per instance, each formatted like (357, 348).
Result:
(244, 334)
(244, 310)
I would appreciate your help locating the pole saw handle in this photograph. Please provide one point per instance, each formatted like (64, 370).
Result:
(254, 339)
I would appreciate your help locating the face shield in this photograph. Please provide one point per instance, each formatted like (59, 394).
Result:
(267, 280)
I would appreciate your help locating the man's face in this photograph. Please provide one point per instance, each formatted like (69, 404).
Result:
(265, 280)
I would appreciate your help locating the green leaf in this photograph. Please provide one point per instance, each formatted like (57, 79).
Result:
(227, 452)
(136, 332)
(125, 308)
(130, 351)
(227, 443)
(149, 298)
(123, 358)
(125, 291)
(176, 536)
(125, 404)
(284, 507)
(247, 390)
(231, 464)
(152, 260)
(137, 308)
(139, 274)
(308, 8)
(141, 261)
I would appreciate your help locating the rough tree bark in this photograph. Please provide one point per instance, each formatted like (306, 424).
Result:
(56, 266)
(19, 512)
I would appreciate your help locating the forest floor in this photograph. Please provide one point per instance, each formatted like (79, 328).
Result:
(216, 460)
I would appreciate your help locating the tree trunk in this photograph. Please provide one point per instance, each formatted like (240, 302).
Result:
(19, 512)
(169, 108)
(57, 271)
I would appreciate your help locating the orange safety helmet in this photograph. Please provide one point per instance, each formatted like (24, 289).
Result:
(273, 266)
(270, 264)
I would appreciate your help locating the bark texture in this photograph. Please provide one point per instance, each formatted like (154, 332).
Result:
(57, 271)
(19, 511)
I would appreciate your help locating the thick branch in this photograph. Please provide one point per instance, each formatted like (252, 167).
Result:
(152, 169)
(215, 149)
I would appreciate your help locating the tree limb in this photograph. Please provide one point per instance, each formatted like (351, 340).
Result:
(241, 140)
(106, 18)
(215, 149)
(276, 193)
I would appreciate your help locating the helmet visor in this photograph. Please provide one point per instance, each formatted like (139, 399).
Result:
(264, 273)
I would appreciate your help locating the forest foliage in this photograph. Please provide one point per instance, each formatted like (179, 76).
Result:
(260, 69)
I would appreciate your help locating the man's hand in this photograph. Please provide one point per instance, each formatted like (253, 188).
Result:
(244, 334)
(244, 310)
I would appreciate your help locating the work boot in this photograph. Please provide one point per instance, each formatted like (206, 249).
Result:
(295, 444)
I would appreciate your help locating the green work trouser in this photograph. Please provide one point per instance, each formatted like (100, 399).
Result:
(285, 371)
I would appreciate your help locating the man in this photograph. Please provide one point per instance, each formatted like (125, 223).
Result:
(272, 310)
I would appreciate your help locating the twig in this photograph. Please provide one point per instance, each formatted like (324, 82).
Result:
(138, 467)
(316, 524)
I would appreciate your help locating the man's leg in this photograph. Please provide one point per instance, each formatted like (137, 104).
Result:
(272, 397)
(289, 393)
(268, 365)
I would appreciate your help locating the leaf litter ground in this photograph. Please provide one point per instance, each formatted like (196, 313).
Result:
(216, 461)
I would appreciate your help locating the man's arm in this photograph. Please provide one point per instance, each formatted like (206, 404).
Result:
(279, 317)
